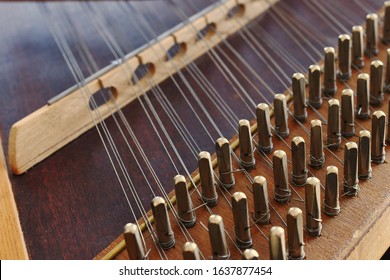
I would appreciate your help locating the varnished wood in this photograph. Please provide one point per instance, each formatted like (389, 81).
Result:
(12, 245)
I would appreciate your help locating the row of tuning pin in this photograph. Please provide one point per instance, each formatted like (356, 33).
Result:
(218, 242)
(357, 157)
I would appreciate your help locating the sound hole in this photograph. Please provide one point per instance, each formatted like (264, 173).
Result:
(176, 50)
(236, 11)
(101, 97)
(142, 71)
(207, 31)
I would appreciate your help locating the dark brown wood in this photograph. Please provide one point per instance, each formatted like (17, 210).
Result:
(71, 206)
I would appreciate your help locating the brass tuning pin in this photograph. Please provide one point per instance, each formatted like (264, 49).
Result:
(164, 231)
(277, 244)
(282, 192)
(386, 87)
(371, 35)
(347, 114)
(364, 157)
(209, 192)
(315, 98)
(260, 200)
(357, 46)
(363, 97)
(331, 203)
(378, 152)
(133, 242)
(183, 201)
(344, 72)
(281, 116)
(386, 24)
(299, 96)
(388, 124)
(250, 254)
(350, 181)
(241, 220)
(313, 207)
(264, 128)
(376, 83)
(191, 251)
(329, 88)
(317, 156)
(295, 234)
(298, 155)
(247, 157)
(333, 137)
(224, 160)
(217, 236)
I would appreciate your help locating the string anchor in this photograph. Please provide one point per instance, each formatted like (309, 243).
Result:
(357, 46)
(281, 189)
(164, 231)
(371, 35)
(376, 83)
(209, 192)
(317, 156)
(277, 244)
(260, 200)
(350, 181)
(132, 236)
(247, 158)
(364, 157)
(241, 220)
(329, 87)
(264, 128)
(378, 152)
(363, 97)
(217, 236)
(295, 234)
(184, 203)
(331, 203)
(333, 137)
(224, 160)
(299, 97)
(313, 206)
(344, 43)
(191, 251)
(347, 114)
(315, 98)
(298, 155)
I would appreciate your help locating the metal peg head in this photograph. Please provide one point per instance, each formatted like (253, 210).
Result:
(371, 35)
(247, 157)
(344, 73)
(364, 157)
(183, 201)
(347, 114)
(299, 96)
(378, 152)
(386, 87)
(250, 254)
(133, 242)
(317, 156)
(282, 192)
(164, 231)
(333, 137)
(217, 236)
(350, 181)
(209, 192)
(241, 220)
(298, 155)
(315, 98)
(376, 83)
(386, 24)
(281, 116)
(313, 206)
(260, 201)
(329, 87)
(191, 251)
(388, 123)
(363, 96)
(357, 46)
(277, 244)
(264, 128)
(224, 160)
(295, 234)
(331, 203)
